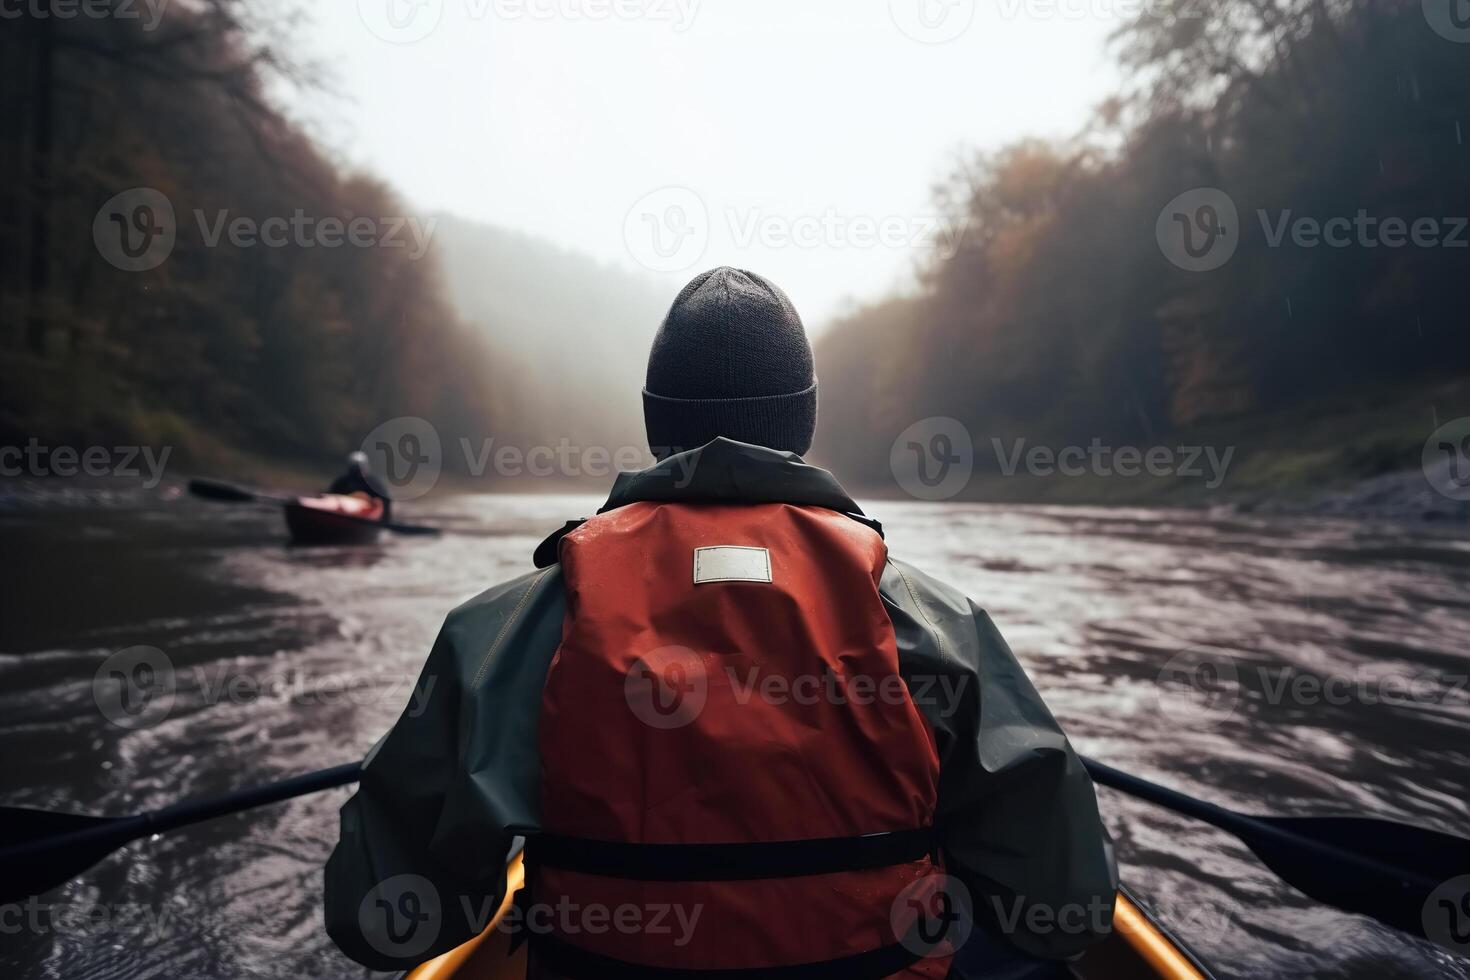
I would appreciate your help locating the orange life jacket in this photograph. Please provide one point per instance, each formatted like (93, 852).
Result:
(725, 736)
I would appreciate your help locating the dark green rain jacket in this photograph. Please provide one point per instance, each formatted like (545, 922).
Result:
(447, 791)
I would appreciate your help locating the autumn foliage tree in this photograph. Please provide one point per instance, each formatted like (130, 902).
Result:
(1062, 318)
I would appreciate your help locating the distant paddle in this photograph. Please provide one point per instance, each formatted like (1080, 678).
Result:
(229, 493)
(43, 849)
(1378, 868)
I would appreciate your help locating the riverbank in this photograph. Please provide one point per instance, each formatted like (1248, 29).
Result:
(1363, 459)
(1349, 458)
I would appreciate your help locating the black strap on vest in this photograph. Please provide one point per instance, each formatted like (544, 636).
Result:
(729, 862)
(579, 964)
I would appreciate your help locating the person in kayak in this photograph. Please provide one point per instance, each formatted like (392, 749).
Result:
(360, 481)
(735, 734)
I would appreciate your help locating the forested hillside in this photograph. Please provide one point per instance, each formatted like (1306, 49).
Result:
(1063, 318)
(287, 350)
(1261, 243)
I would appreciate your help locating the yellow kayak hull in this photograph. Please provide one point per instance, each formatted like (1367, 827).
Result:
(1137, 950)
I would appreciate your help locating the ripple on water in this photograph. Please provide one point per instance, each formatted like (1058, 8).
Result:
(325, 645)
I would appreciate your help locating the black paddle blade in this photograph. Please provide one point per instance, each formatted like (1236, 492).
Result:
(26, 872)
(215, 490)
(1402, 892)
(41, 850)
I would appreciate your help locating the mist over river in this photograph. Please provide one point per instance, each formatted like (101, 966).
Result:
(1334, 654)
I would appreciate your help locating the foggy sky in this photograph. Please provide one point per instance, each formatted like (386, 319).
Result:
(800, 137)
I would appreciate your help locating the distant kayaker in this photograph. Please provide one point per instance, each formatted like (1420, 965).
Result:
(360, 481)
(734, 732)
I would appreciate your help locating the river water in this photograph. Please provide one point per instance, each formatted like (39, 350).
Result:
(1331, 657)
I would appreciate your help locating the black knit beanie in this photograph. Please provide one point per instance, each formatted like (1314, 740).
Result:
(731, 359)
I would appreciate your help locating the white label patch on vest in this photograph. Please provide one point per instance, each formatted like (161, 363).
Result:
(731, 564)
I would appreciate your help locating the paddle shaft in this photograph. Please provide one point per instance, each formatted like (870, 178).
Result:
(222, 492)
(104, 837)
(122, 830)
(1244, 827)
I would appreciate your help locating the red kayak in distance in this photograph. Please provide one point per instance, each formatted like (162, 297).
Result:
(334, 519)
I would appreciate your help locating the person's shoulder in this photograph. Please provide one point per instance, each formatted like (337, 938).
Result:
(905, 583)
(498, 606)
